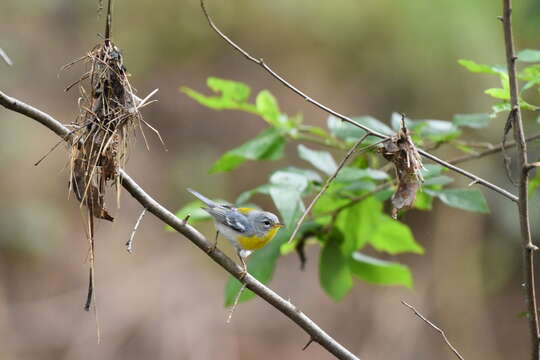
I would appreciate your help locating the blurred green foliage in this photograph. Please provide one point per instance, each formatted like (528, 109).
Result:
(350, 215)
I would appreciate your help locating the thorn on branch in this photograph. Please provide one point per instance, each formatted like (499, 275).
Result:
(308, 343)
(186, 219)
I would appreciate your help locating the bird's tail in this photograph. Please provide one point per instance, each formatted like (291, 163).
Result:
(203, 198)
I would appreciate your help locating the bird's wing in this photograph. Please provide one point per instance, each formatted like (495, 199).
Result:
(230, 217)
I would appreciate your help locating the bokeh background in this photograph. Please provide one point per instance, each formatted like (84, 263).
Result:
(165, 301)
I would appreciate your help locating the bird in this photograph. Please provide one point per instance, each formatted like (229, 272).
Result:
(247, 229)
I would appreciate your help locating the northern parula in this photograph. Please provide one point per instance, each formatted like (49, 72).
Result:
(247, 229)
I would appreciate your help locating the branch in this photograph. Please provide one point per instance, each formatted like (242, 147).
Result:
(286, 307)
(326, 185)
(261, 63)
(454, 350)
(493, 150)
(523, 203)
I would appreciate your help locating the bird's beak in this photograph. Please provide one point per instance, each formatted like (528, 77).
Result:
(279, 225)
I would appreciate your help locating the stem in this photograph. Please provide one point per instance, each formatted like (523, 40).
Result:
(523, 202)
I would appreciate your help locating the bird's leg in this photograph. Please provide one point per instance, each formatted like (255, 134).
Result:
(214, 246)
(244, 265)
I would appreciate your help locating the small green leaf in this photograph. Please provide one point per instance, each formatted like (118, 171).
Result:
(498, 93)
(286, 193)
(437, 130)
(358, 223)
(438, 180)
(481, 68)
(322, 160)
(229, 89)
(268, 145)
(423, 201)
(529, 55)
(268, 107)
(350, 133)
(466, 199)
(349, 174)
(334, 273)
(431, 170)
(476, 121)
(394, 237)
(376, 271)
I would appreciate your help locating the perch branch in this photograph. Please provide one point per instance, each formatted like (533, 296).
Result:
(523, 203)
(347, 119)
(439, 330)
(286, 307)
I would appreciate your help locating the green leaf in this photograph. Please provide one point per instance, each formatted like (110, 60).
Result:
(423, 201)
(529, 55)
(358, 222)
(261, 264)
(376, 271)
(438, 180)
(286, 193)
(322, 160)
(466, 199)
(268, 145)
(431, 170)
(481, 68)
(194, 209)
(232, 95)
(394, 237)
(498, 93)
(437, 130)
(268, 107)
(349, 174)
(334, 273)
(476, 121)
(330, 200)
(229, 89)
(351, 133)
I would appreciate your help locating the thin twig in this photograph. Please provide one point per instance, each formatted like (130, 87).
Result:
(439, 330)
(347, 119)
(493, 150)
(326, 185)
(6, 58)
(192, 234)
(235, 303)
(523, 203)
(129, 243)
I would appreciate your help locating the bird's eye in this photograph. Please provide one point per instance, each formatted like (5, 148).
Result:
(266, 222)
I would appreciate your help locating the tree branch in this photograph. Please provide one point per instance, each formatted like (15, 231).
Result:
(326, 186)
(523, 203)
(439, 330)
(347, 119)
(286, 307)
(493, 150)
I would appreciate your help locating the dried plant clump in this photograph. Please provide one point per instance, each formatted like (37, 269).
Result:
(401, 151)
(109, 115)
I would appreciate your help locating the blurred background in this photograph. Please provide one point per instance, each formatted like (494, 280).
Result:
(166, 300)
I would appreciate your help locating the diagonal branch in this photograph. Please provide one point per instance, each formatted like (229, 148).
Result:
(326, 185)
(261, 63)
(439, 330)
(286, 307)
(523, 203)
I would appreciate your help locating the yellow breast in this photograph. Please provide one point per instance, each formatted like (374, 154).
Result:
(257, 242)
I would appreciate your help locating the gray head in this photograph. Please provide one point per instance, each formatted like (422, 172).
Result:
(264, 221)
